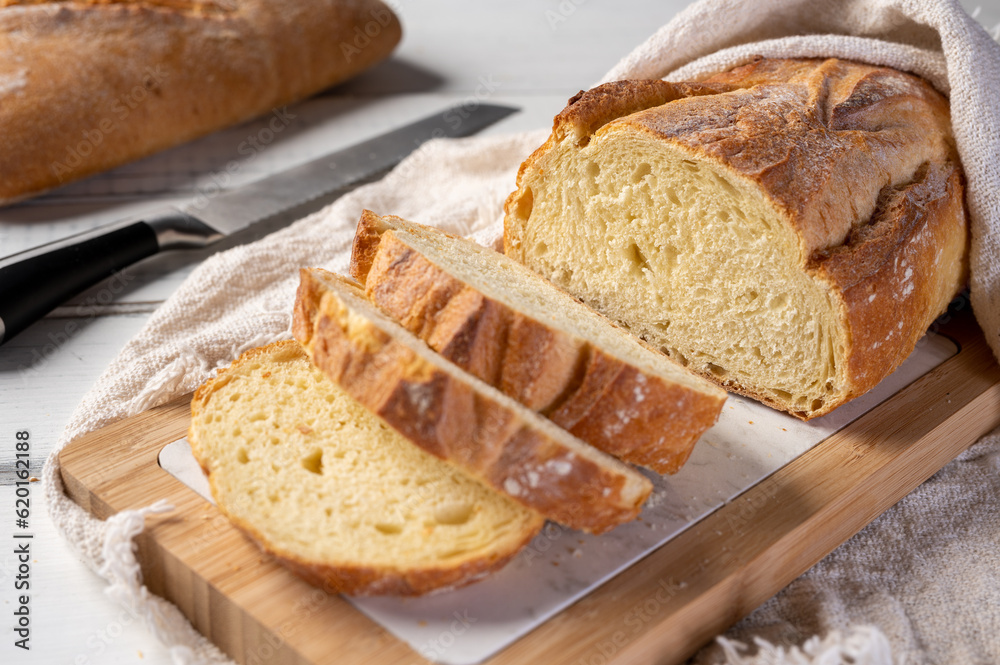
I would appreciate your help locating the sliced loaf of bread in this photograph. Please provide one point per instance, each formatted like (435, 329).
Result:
(516, 331)
(457, 417)
(334, 493)
(788, 229)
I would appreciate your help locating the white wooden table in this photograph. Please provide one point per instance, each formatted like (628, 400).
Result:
(529, 54)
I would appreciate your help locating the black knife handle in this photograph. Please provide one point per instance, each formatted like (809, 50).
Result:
(35, 282)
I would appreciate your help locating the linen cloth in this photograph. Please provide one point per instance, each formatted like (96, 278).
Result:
(918, 585)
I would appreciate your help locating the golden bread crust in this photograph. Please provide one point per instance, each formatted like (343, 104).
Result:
(580, 387)
(449, 417)
(87, 86)
(860, 162)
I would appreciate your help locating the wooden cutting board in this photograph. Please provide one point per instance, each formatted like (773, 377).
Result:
(730, 562)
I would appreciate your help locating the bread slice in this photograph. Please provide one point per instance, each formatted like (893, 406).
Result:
(788, 229)
(457, 417)
(516, 331)
(339, 497)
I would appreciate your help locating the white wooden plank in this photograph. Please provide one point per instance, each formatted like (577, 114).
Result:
(531, 46)
(43, 375)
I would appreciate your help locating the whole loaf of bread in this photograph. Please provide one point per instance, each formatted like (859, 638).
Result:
(88, 85)
(788, 229)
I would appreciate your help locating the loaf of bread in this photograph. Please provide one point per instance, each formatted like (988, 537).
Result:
(89, 85)
(514, 330)
(335, 494)
(788, 229)
(455, 416)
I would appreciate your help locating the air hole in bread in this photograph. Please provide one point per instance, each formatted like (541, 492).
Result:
(390, 529)
(524, 204)
(717, 372)
(313, 462)
(638, 259)
(690, 166)
(453, 514)
(726, 186)
(241, 456)
(641, 171)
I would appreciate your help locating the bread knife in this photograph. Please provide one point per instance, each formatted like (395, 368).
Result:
(36, 281)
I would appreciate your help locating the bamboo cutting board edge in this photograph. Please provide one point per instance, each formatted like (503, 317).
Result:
(661, 609)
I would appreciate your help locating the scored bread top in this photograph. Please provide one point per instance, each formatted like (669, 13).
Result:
(821, 138)
(518, 332)
(335, 494)
(457, 417)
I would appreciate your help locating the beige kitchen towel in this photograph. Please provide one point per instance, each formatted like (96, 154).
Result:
(241, 298)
